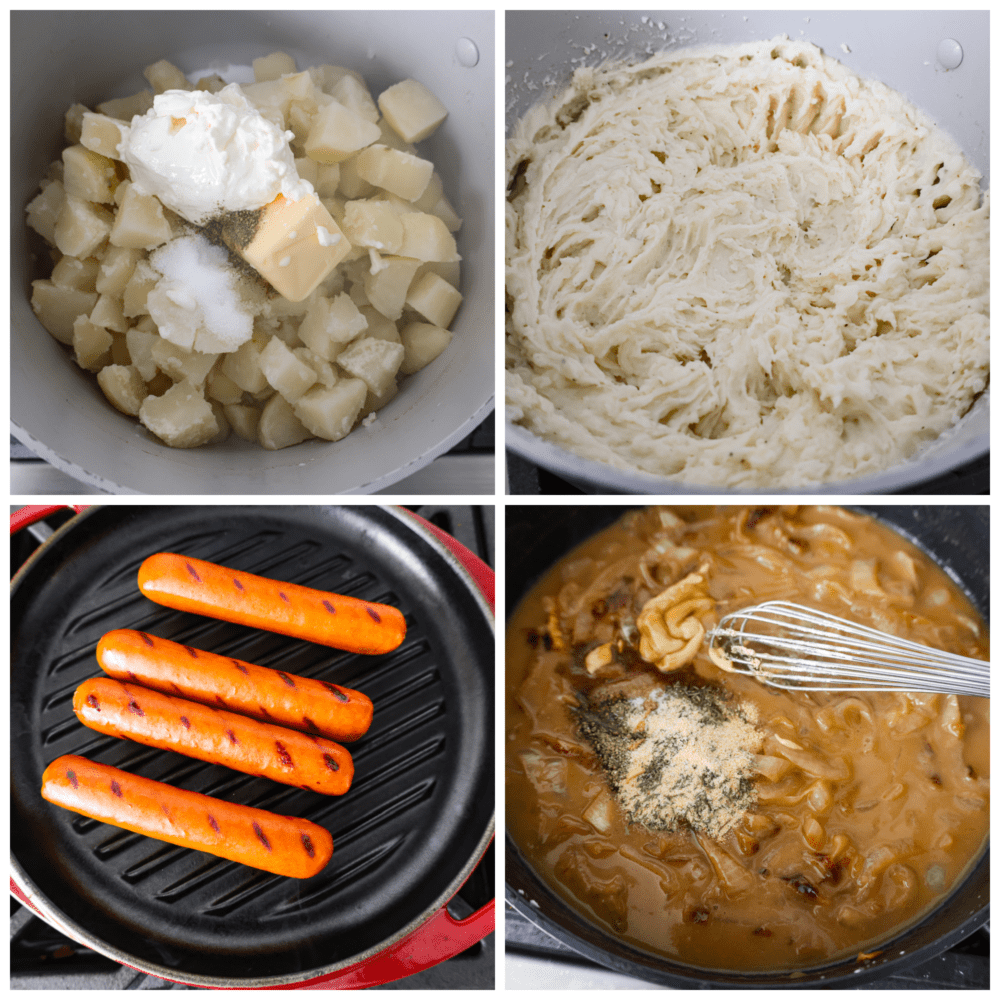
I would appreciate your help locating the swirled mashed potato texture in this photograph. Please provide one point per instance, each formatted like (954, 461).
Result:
(742, 266)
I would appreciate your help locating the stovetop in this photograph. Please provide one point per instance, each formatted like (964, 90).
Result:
(534, 960)
(44, 959)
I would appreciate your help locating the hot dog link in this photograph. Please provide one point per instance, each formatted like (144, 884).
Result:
(283, 845)
(204, 588)
(269, 695)
(157, 720)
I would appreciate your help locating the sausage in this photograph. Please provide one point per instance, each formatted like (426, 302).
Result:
(283, 845)
(329, 619)
(157, 720)
(269, 695)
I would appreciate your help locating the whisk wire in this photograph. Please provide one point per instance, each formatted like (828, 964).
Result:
(796, 648)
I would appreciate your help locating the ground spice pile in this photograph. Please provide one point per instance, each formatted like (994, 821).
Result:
(678, 756)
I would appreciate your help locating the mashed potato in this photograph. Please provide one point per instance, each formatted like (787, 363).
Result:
(742, 266)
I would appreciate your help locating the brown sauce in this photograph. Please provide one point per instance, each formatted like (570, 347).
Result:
(866, 823)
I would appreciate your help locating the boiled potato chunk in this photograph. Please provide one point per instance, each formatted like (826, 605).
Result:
(124, 387)
(57, 308)
(435, 300)
(102, 134)
(379, 328)
(108, 313)
(372, 224)
(82, 227)
(136, 294)
(44, 209)
(243, 419)
(116, 268)
(351, 184)
(423, 343)
(353, 94)
(126, 108)
(223, 389)
(164, 75)
(91, 344)
(181, 364)
(181, 417)
(330, 412)
(243, 367)
(273, 67)
(400, 173)
(386, 290)
(141, 224)
(326, 374)
(279, 427)
(285, 372)
(374, 361)
(140, 350)
(73, 122)
(71, 272)
(338, 133)
(330, 324)
(412, 110)
(425, 237)
(88, 175)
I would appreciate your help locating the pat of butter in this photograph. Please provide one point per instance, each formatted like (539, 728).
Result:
(296, 245)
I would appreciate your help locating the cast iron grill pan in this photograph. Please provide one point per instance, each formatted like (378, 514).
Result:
(422, 798)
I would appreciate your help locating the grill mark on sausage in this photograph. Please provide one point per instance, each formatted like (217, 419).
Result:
(213, 823)
(185, 722)
(239, 666)
(173, 684)
(264, 711)
(239, 586)
(308, 845)
(374, 614)
(93, 702)
(283, 755)
(330, 762)
(285, 678)
(336, 692)
(218, 698)
(260, 835)
(131, 676)
(193, 572)
(116, 789)
(284, 597)
(146, 639)
(71, 776)
(329, 607)
(193, 653)
(134, 708)
(232, 737)
(309, 722)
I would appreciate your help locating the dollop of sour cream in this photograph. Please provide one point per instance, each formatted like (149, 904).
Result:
(202, 154)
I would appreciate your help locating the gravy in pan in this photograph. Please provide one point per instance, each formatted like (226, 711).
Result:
(806, 827)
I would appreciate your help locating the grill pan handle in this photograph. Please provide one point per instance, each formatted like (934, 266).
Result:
(24, 516)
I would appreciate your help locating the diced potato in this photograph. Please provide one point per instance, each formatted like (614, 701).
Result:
(223, 389)
(379, 328)
(57, 308)
(116, 268)
(140, 224)
(182, 365)
(327, 180)
(330, 412)
(351, 184)
(175, 313)
(243, 420)
(126, 108)
(443, 209)
(279, 427)
(73, 123)
(308, 170)
(400, 173)
(326, 374)
(136, 294)
(353, 94)
(389, 137)
(124, 387)
(325, 77)
(374, 403)
(140, 349)
(91, 344)
(101, 134)
(338, 133)
(108, 313)
(219, 412)
(272, 67)
(82, 227)
(299, 121)
(71, 272)
(285, 372)
(330, 324)
(435, 300)
(243, 367)
(425, 237)
(450, 270)
(372, 224)
(387, 289)
(412, 110)
(43, 210)
(212, 84)
(164, 75)
(423, 343)
(181, 417)
(374, 361)
(88, 175)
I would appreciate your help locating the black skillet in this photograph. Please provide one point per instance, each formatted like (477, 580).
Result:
(414, 824)
(957, 538)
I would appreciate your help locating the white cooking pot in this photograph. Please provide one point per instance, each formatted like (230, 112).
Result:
(938, 59)
(57, 410)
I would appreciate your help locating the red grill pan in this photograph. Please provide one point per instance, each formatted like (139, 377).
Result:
(415, 823)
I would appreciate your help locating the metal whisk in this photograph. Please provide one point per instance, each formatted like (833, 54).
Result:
(796, 648)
